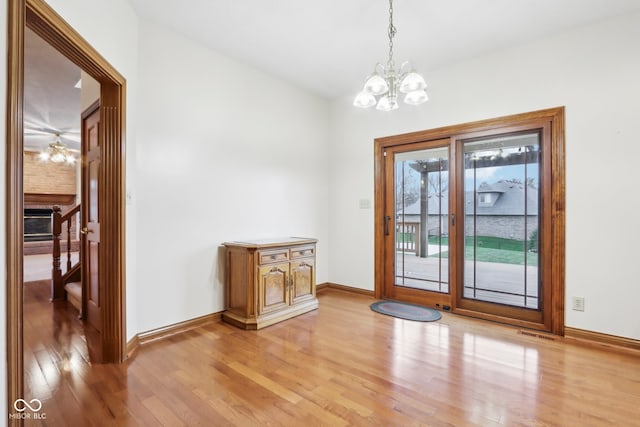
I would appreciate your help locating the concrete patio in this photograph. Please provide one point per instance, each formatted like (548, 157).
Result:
(495, 282)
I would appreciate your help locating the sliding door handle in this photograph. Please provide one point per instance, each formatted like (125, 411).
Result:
(386, 225)
(453, 219)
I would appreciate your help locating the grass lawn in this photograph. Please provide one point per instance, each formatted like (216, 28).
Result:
(488, 249)
(497, 255)
(494, 249)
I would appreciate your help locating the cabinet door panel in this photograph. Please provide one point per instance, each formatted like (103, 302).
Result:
(303, 279)
(273, 287)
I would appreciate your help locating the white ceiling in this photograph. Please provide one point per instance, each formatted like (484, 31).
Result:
(329, 46)
(51, 100)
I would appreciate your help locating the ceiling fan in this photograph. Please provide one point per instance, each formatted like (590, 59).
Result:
(57, 146)
(38, 137)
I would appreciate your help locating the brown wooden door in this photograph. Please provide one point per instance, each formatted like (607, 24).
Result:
(91, 291)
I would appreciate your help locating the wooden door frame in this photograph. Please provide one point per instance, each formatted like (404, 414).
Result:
(556, 233)
(45, 22)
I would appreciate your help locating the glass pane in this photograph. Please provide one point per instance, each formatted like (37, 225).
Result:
(421, 226)
(502, 178)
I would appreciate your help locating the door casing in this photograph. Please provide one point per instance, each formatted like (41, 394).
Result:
(45, 22)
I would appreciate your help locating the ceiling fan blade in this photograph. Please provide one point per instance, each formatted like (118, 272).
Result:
(70, 137)
(30, 131)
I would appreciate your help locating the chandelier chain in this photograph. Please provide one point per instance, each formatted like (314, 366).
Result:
(392, 33)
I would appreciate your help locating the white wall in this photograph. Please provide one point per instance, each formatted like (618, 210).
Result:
(224, 153)
(593, 71)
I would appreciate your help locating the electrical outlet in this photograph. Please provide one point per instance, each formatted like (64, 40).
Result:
(578, 303)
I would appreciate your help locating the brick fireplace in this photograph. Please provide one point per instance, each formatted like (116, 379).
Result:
(47, 185)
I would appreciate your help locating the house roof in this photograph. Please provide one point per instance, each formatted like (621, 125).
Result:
(511, 196)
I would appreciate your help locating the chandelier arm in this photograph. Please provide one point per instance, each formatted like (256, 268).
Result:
(404, 69)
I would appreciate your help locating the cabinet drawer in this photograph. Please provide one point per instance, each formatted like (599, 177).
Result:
(266, 257)
(303, 251)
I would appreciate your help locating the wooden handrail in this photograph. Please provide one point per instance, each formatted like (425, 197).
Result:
(68, 214)
(57, 282)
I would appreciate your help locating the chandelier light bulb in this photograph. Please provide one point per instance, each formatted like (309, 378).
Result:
(416, 97)
(412, 82)
(387, 103)
(57, 157)
(364, 100)
(376, 85)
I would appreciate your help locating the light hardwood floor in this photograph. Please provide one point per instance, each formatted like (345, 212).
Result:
(340, 365)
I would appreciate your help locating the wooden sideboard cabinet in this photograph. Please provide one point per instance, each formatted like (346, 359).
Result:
(269, 280)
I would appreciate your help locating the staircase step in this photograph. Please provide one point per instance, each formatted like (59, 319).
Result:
(74, 294)
(74, 288)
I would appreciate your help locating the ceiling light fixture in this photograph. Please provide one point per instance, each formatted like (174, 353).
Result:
(57, 152)
(381, 88)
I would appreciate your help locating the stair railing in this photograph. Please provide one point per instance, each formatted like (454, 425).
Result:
(62, 222)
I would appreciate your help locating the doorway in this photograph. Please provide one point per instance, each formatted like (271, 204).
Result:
(41, 19)
(470, 219)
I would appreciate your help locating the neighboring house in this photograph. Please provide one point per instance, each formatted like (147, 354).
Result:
(499, 211)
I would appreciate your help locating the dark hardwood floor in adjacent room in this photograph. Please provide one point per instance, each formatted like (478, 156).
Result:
(340, 365)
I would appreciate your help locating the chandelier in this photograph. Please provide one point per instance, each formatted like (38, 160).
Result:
(382, 87)
(57, 152)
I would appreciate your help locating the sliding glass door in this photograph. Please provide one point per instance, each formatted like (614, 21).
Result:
(499, 244)
(464, 222)
(418, 231)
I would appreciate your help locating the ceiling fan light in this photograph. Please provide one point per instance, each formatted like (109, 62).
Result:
(57, 157)
(376, 85)
(44, 156)
(387, 103)
(412, 82)
(416, 97)
(364, 100)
